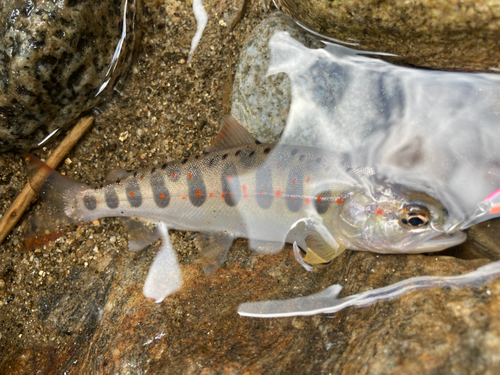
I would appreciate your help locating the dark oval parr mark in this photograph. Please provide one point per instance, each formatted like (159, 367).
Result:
(264, 186)
(231, 188)
(197, 191)
(295, 190)
(90, 202)
(111, 197)
(133, 192)
(160, 192)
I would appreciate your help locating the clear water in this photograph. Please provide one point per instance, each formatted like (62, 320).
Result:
(433, 131)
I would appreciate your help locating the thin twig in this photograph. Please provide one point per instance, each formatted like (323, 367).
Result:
(16, 210)
(239, 15)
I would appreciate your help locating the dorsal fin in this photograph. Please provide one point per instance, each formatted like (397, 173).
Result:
(231, 134)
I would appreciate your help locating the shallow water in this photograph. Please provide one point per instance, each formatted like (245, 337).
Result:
(434, 131)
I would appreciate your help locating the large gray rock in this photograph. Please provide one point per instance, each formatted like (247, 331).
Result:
(56, 61)
(262, 102)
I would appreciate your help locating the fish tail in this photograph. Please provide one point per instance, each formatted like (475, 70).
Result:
(58, 198)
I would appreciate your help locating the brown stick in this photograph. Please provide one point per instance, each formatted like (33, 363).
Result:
(239, 15)
(16, 210)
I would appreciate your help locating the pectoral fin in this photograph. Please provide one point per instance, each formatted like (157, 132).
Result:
(319, 250)
(317, 242)
(298, 257)
(213, 248)
(164, 276)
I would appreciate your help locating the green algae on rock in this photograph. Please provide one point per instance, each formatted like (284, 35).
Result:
(58, 60)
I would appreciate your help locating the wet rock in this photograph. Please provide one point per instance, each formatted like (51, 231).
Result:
(262, 102)
(56, 61)
(116, 329)
(447, 35)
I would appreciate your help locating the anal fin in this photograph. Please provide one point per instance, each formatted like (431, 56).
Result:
(213, 248)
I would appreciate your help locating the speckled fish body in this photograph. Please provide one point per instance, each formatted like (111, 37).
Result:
(240, 188)
(254, 191)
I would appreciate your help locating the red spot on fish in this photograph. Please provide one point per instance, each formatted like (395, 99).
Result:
(319, 198)
(292, 198)
(244, 188)
(132, 193)
(278, 193)
(198, 193)
(211, 195)
(230, 194)
(183, 197)
(223, 195)
(294, 181)
(307, 200)
(142, 177)
(229, 177)
(279, 165)
(116, 203)
(307, 179)
(339, 200)
(261, 192)
(190, 175)
(266, 203)
(98, 202)
(162, 196)
(379, 211)
(173, 175)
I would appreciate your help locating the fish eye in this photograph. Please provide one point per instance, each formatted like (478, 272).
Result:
(414, 215)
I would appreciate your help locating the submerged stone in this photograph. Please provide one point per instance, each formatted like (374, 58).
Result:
(57, 60)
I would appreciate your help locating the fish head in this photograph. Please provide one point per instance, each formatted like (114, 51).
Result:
(396, 220)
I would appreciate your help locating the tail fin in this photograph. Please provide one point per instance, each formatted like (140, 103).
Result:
(57, 194)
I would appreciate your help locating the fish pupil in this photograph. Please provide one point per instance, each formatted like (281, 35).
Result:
(415, 221)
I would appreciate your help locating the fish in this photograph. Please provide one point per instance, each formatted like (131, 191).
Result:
(242, 188)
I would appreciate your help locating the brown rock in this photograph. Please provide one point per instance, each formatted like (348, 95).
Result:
(444, 34)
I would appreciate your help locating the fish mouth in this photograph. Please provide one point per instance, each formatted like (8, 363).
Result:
(441, 242)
